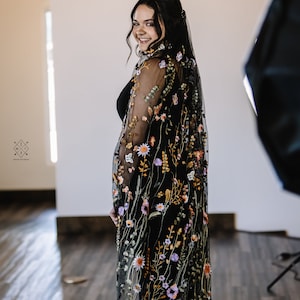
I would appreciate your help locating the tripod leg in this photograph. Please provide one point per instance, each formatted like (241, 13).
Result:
(295, 261)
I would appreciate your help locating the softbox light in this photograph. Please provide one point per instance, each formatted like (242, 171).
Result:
(273, 73)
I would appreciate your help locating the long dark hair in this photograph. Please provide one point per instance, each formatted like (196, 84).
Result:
(172, 15)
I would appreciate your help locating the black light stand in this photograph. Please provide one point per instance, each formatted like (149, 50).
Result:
(285, 256)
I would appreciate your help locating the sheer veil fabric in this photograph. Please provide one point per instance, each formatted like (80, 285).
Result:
(160, 181)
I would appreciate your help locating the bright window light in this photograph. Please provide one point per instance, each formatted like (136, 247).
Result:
(51, 88)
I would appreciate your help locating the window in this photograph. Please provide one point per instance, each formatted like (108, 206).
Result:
(51, 88)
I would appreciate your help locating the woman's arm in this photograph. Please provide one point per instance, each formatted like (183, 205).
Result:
(148, 85)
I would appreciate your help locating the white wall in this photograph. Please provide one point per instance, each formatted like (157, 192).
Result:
(241, 177)
(90, 55)
(23, 97)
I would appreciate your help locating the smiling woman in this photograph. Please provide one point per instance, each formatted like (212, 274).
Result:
(160, 164)
(144, 27)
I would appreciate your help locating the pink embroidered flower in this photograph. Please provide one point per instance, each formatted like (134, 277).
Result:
(163, 117)
(137, 288)
(160, 207)
(185, 198)
(200, 128)
(152, 277)
(125, 189)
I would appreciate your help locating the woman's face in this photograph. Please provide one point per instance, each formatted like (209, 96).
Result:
(143, 27)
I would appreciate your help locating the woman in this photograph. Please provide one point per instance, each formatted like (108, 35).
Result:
(160, 164)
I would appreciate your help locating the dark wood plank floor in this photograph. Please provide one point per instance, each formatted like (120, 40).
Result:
(34, 262)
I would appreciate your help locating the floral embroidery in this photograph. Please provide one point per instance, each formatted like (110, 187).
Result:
(179, 56)
(160, 207)
(137, 288)
(129, 223)
(157, 162)
(162, 64)
(160, 187)
(128, 158)
(172, 292)
(175, 99)
(143, 150)
(139, 263)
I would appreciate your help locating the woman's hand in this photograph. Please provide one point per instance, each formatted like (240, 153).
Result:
(114, 216)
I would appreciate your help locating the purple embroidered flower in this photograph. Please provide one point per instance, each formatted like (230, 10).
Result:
(174, 257)
(172, 291)
(162, 64)
(162, 278)
(179, 56)
(121, 211)
(126, 206)
(162, 257)
(165, 285)
(145, 207)
(167, 241)
(157, 162)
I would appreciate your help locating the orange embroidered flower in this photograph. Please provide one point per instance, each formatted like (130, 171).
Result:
(194, 238)
(207, 269)
(205, 218)
(199, 154)
(152, 141)
(185, 198)
(157, 109)
(129, 223)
